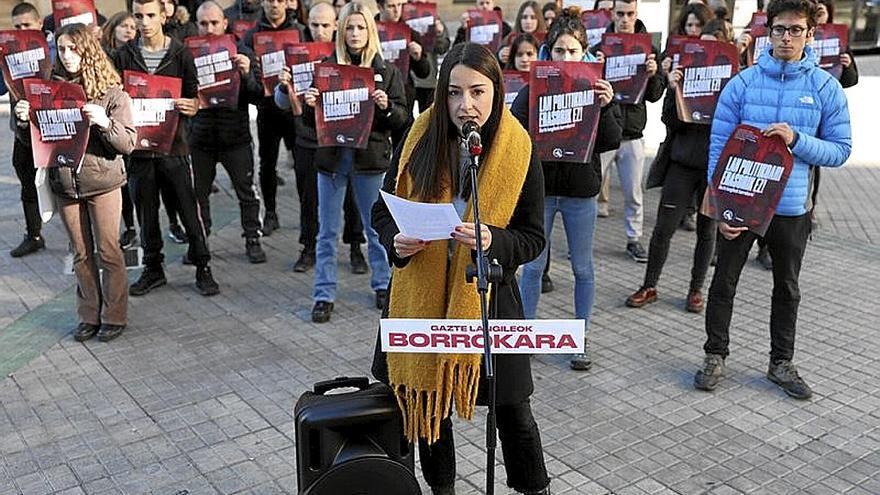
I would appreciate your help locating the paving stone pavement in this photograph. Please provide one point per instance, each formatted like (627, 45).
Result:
(197, 396)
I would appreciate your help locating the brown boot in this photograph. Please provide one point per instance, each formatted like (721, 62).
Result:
(695, 302)
(641, 297)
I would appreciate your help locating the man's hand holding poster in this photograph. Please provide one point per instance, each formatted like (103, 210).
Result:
(421, 16)
(59, 130)
(485, 28)
(564, 109)
(706, 67)
(344, 113)
(626, 59)
(269, 49)
(219, 79)
(74, 12)
(24, 54)
(152, 107)
(748, 180)
(394, 38)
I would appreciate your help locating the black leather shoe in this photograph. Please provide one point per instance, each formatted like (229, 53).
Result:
(546, 284)
(149, 280)
(381, 298)
(110, 332)
(254, 250)
(358, 263)
(29, 245)
(321, 311)
(270, 223)
(205, 281)
(85, 331)
(305, 262)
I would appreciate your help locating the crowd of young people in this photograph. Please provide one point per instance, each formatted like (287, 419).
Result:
(415, 157)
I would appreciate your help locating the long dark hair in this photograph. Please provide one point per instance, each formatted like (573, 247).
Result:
(435, 160)
(703, 13)
(539, 15)
(514, 47)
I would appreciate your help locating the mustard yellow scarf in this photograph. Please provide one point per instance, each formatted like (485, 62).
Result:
(425, 384)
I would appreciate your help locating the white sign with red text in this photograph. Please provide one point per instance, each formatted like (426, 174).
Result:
(466, 336)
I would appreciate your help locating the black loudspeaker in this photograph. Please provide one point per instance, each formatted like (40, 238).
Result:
(352, 443)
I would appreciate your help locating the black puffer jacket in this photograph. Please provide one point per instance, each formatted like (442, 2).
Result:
(377, 156)
(690, 142)
(180, 31)
(224, 128)
(575, 180)
(178, 62)
(635, 117)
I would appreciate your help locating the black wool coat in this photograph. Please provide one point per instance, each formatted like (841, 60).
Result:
(518, 243)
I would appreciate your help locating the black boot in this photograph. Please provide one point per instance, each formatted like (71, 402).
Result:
(358, 263)
(29, 245)
(254, 250)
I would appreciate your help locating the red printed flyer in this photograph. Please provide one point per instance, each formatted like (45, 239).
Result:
(760, 37)
(420, 16)
(485, 27)
(564, 109)
(24, 54)
(74, 12)
(707, 67)
(596, 23)
(219, 80)
(394, 38)
(344, 113)
(152, 107)
(269, 49)
(626, 56)
(830, 41)
(514, 81)
(59, 130)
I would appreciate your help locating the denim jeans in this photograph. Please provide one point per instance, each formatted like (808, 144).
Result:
(579, 219)
(630, 160)
(331, 194)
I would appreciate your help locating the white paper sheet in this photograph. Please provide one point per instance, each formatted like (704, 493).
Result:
(425, 221)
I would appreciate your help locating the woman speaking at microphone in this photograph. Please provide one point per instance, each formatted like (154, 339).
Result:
(428, 279)
(88, 196)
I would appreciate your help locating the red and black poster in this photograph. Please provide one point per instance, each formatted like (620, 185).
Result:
(219, 80)
(830, 41)
(673, 44)
(269, 49)
(485, 28)
(241, 26)
(394, 38)
(760, 37)
(59, 130)
(514, 80)
(152, 107)
(749, 179)
(707, 66)
(420, 16)
(564, 109)
(626, 56)
(24, 54)
(596, 23)
(74, 12)
(302, 59)
(344, 113)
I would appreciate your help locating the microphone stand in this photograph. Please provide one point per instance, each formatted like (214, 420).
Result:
(485, 273)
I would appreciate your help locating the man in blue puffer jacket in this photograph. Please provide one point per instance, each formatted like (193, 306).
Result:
(787, 95)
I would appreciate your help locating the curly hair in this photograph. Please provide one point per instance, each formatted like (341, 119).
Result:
(96, 70)
(568, 22)
(700, 11)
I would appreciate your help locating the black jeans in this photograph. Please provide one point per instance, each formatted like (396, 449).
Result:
(679, 188)
(520, 446)
(127, 204)
(23, 163)
(787, 240)
(239, 164)
(176, 172)
(273, 125)
(307, 189)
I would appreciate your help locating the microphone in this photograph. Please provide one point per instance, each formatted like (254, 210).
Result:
(471, 132)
